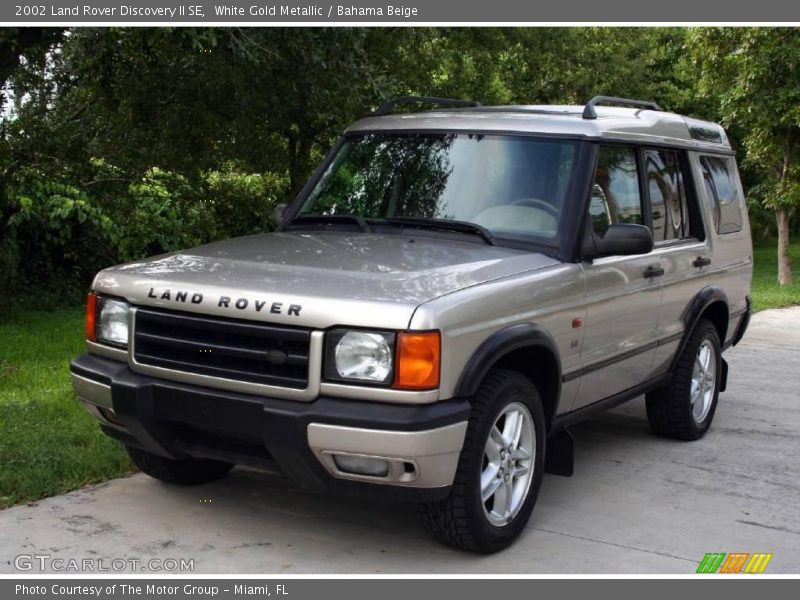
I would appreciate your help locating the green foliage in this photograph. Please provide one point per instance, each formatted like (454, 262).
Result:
(59, 232)
(62, 235)
(754, 75)
(9, 260)
(243, 203)
(161, 217)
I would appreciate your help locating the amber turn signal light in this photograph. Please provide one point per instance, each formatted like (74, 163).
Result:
(91, 312)
(418, 357)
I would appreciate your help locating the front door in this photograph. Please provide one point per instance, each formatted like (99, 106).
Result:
(623, 293)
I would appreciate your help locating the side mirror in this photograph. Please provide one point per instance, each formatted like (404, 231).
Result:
(277, 214)
(620, 239)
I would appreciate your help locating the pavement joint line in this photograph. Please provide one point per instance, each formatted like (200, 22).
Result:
(781, 529)
(588, 539)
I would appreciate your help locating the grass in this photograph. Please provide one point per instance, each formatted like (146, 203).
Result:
(49, 444)
(766, 291)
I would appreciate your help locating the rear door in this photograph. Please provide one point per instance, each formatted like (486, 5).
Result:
(714, 251)
(680, 243)
(623, 293)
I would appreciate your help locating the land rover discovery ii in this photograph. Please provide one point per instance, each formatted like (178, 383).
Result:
(450, 291)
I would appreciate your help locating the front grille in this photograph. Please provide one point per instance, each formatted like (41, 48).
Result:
(219, 347)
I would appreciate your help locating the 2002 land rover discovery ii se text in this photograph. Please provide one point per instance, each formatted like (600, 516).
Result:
(450, 291)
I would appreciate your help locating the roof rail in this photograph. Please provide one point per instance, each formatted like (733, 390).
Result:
(590, 113)
(389, 106)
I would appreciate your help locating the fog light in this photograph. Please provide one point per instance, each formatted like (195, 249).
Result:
(361, 465)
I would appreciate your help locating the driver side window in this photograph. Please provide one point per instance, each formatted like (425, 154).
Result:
(616, 194)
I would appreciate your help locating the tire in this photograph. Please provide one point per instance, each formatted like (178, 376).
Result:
(462, 519)
(188, 471)
(672, 411)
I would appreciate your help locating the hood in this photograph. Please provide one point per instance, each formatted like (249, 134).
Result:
(316, 279)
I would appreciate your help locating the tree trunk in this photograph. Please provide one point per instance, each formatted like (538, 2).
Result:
(784, 264)
(782, 214)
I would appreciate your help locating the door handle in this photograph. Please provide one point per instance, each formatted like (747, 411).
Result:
(701, 261)
(653, 271)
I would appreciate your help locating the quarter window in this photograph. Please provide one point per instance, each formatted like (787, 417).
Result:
(722, 193)
(665, 184)
(616, 196)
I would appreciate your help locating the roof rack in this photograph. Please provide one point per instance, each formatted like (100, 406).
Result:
(590, 113)
(389, 106)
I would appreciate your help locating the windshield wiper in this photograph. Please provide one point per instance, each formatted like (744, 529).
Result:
(443, 225)
(412, 222)
(331, 219)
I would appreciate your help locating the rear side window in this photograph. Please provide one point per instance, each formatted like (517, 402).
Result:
(667, 191)
(722, 192)
(615, 193)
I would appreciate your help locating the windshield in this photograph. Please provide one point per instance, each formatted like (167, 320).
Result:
(513, 186)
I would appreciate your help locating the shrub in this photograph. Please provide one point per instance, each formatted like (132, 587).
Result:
(243, 203)
(55, 233)
(159, 214)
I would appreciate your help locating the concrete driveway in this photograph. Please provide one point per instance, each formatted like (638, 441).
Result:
(636, 504)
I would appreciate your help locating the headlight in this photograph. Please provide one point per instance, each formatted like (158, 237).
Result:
(360, 356)
(111, 321)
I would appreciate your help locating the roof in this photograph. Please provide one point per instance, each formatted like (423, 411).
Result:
(612, 123)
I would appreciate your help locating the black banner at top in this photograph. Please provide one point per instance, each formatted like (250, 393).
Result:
(195, 12)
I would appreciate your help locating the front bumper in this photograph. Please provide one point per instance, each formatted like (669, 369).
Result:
(421, 443)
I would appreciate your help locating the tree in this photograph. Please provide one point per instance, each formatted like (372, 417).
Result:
(754, 74)
(544, 65)
(273, 99)
(17, 44)
(19, 48)
(188, 99)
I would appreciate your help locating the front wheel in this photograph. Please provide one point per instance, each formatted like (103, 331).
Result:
(499, 471)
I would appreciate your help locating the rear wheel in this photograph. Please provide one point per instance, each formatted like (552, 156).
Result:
(684, 409)
(500, 468)
(188, 471)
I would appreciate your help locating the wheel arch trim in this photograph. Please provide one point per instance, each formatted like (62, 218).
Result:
(501, 344)
(694, 311)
